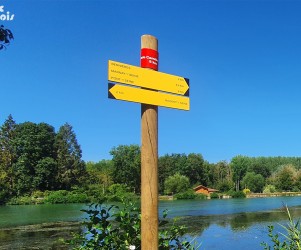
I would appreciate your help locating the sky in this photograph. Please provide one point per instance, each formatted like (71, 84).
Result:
(243, 60)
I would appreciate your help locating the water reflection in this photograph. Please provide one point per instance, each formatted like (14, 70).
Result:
(236, 231)
(239, 221)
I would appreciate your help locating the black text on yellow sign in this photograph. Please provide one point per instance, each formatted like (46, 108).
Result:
(132, 94)
(142, 77)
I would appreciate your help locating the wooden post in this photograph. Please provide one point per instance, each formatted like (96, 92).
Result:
(149, 166)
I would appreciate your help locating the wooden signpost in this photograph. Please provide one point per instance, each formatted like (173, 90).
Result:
(152, 89)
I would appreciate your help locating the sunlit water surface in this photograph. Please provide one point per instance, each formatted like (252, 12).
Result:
(215, 224)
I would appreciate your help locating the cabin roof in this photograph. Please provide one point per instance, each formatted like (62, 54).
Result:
(209, 189)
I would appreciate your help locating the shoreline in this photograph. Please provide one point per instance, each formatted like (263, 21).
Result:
(248, 196)
(276, 194)
(172, 198)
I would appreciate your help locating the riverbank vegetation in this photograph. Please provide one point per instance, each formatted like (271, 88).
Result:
(119, 227)
(289, 239)
(41, 165)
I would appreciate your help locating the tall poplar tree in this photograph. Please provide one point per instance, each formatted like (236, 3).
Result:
(70, 165)
(7, 156)
(239, 165)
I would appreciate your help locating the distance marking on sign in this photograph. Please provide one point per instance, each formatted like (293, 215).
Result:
(132, 94)
(142, 77)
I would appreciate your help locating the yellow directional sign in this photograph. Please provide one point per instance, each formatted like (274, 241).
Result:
(132, 94)
(142, 77)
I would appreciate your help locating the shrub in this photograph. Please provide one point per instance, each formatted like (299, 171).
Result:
(63, 196)
(188, 195)
(74, 197)
(176, 184)
(225, 186)
(23, 200)
(57, 197)
(269, 189)
(201, 197)
(120, 192)
(119, 227)
(37, 194)
(236, 194)
(96, 193)
(246, 191)
(4, 196)
(214, 196)
(117, 192)
(125, 196)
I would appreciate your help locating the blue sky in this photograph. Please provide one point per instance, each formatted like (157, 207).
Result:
(243, 59)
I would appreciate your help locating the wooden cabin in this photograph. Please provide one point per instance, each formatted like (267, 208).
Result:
(204, 190)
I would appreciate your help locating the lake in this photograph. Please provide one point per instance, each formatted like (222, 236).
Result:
(215, 224)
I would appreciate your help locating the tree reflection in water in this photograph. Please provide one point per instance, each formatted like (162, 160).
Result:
(240, 221)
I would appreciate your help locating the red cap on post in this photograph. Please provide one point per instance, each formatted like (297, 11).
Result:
(149, 58)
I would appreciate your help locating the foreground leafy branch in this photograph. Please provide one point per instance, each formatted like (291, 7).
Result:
(5, 36)
(118, 227)
(292, 237)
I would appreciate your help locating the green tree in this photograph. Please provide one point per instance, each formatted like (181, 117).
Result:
(71, 168)
(225, 185)
(298, 180)
(23, 176)
(164, 168)
(36, 141)
(45, 174)
(254, 182)
(258, 166)
(169, 165)
(126, 166)
(7, 155)
(239, 165)
(220, 176)
(195, 169)
(100, 173)
(224, 171)
(32, 143)
(285, 177)
(176, 184)
(180, 162)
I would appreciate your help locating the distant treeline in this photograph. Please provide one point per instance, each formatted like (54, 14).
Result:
(35, 159)
(258, 174)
